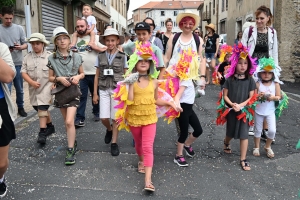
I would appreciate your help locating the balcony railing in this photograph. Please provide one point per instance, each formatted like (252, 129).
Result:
(206, 16)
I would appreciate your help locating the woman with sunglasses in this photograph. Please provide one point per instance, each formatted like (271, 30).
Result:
(154, 40)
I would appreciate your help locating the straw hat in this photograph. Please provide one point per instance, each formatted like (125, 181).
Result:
(38, 37)
(212, 26)
(111, 31)
(188, 13)
(59, 31)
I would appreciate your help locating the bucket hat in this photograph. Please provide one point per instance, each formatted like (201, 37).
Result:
(111, 31)
(188, 13)
(38, 37)
(59, 31)
(212, 26)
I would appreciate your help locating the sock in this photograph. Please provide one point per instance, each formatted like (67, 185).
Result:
(49, 124)
(43, 130)
(2, 179)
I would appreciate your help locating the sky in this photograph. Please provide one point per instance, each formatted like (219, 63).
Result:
(134, 4)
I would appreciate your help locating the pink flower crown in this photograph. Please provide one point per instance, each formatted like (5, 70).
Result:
(240, 51)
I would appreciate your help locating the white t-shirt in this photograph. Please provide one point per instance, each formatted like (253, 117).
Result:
(89, 58)
(91, 20)
(188, 95)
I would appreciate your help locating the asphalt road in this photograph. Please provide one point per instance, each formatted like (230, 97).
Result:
(39, 172)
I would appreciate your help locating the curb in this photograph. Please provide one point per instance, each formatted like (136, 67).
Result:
(20, 120)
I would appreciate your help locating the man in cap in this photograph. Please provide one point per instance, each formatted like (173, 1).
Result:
(89, 60)
(14, 37)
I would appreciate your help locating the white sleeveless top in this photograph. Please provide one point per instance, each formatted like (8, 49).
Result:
(188, 95)
(267, 107)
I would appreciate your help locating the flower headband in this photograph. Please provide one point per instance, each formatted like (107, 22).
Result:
(225, 49)
(266, 64)
(145, 52)
(240, 51)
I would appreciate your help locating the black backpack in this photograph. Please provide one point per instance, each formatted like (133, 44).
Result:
(176, 37)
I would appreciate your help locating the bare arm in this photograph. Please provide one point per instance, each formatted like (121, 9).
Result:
(217, 47)
(31, 82)
(277, 96)
(130, 93)
(95, 92)
(202, 68)
(6, 72)
(168, 51)
(226, 98)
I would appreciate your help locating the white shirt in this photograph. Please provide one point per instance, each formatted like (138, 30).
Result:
(91, 21)
(188, 95)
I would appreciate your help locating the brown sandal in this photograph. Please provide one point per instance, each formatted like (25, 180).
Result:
(149, 187)
(141, 167)
(227, 148)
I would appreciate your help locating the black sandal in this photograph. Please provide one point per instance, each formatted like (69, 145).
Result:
(227, 148)
(246, 165)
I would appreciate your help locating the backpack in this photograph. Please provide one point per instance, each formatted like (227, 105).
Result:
(251, 31)
(176, 37)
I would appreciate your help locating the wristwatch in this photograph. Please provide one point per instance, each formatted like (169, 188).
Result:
(202, 76)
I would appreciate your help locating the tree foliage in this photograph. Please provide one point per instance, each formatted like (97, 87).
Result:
(7, 3)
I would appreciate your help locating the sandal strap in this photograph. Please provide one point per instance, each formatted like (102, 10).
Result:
(246, 163)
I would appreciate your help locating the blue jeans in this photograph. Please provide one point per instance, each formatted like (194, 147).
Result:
(210, 55)
(86, 84)
(18, 83)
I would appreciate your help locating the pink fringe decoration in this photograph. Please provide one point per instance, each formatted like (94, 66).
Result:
(234, 59)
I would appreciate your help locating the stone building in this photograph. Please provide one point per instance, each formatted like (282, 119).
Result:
(118, 12)
(139, 14)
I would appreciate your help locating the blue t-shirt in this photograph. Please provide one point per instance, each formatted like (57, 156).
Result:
(1, 92)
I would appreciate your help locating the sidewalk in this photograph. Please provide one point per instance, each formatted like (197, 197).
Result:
(37, 172)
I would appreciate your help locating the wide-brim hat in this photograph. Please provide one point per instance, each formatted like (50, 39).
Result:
(38, 37)
(212, 26)
(188, 13)
(111, 31)
(58, 32)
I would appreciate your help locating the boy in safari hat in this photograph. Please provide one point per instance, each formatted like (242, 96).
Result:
(111, 66)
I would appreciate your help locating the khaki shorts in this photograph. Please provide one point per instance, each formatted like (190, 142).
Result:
(107, 104)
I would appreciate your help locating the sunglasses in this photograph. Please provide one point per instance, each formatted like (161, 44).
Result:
(150, 24)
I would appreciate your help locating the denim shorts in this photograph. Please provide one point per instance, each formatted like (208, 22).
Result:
(210, 56)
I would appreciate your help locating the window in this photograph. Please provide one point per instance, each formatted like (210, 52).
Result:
(223, 6)
(162, 13)
(175, 24)
(162, 23)
(214, 7)
(104, 1)
(226, 4)
(175, 12)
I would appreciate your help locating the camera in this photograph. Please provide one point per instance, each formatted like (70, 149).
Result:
(11, 47)
(108, 72)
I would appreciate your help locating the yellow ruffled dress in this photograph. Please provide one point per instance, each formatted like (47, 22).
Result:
(142, 110)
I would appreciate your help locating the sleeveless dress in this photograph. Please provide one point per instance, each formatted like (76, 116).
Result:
(143, 109)
(268, 107)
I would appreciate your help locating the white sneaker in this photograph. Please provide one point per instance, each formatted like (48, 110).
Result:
(251, 133)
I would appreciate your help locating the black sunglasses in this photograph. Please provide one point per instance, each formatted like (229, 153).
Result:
(150, 24)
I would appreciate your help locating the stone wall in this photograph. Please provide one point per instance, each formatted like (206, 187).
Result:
(287, 24)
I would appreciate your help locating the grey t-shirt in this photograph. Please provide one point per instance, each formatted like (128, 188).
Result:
(11, 34)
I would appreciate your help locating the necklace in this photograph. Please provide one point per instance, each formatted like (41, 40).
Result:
(68, 60)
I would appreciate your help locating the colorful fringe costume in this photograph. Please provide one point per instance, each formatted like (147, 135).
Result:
(142, 52)
(247, 112)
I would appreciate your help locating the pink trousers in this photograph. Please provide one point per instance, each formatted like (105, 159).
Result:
(144, 140)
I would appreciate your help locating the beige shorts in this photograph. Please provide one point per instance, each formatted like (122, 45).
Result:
(107, 104)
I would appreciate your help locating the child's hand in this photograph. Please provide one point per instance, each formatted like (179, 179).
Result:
(175, 107)
(35, 84)
(95, 98)
(64, 81)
